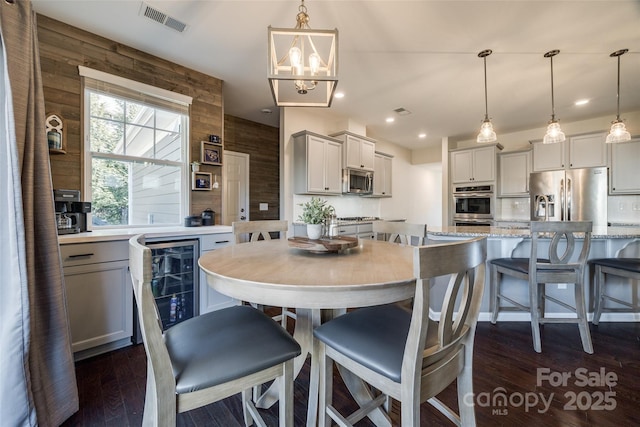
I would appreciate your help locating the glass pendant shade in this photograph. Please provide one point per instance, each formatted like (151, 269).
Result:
(618, 133)
(487, 134)
(303, 64)
(554, 133)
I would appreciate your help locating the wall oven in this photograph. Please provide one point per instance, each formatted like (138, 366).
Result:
(473, 205)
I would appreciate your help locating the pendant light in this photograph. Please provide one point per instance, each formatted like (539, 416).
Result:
(554, 133)
(618, 131)
(487, 134)
(303, 64)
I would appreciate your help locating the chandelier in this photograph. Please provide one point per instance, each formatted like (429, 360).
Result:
(554, 133)
(303, 64)
(618, 131)
(487, 134)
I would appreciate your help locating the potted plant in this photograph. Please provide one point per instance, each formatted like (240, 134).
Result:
(314, 213)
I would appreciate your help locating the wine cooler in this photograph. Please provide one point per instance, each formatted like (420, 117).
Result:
(174, 281)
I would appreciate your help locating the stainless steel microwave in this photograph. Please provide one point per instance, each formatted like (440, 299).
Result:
(355, 181)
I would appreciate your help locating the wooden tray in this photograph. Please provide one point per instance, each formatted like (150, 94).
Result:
(323, 244)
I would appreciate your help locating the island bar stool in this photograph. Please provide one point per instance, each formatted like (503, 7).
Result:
(254, 230)
(209, 357)
(623, 267)
(401, 232)
(558, 267)
(403, 353)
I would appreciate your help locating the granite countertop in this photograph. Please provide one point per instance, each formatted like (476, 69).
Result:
(598, 232)
(111, 234)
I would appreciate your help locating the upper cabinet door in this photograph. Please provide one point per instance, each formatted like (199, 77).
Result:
(587, 151)
(547, 157)
(484, 164)
(474, 165)
(358, 151)
(625, 178)
(333, 167)
(513, 176)
(461, 166)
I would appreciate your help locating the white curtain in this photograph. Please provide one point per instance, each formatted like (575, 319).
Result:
(15, 404)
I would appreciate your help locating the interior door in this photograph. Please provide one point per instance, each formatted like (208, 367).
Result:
(236, 187)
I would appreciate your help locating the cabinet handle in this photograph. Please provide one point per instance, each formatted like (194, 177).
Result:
(81, 256)
(222, 241)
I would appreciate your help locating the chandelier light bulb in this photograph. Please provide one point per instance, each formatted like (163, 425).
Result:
(314, 63)
(295, 57)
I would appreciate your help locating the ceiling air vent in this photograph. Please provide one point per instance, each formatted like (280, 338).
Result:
(162, 18)
(402, 111)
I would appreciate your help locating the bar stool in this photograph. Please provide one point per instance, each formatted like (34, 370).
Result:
(623, 267)
(559, 267)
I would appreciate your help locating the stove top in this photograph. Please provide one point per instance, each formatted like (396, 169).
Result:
(358, 218)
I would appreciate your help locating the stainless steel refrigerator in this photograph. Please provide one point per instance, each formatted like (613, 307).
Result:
(571, 195)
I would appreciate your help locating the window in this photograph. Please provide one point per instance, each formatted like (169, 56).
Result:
(135, 150)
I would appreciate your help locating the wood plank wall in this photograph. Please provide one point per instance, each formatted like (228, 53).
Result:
(63, 48)
(262, 144)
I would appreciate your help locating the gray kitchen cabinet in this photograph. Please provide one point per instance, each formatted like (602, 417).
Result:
(360, 230)
(474, 164)
(581, 151)
(625, 178)
(317, 164)
(211, 299)
(99, 296)
(358, 151)
(513, 173)
(383, 166)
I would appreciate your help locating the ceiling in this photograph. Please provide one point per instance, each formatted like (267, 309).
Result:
(416, 55)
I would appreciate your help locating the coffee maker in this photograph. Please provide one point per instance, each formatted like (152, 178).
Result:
(71, 213)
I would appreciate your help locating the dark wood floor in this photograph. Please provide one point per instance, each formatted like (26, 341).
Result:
(112, 386)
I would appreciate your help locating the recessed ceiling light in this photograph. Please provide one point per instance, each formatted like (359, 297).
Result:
(339, 95)
(581, 102)
(266, 111)
(422, 135)
(390, 120)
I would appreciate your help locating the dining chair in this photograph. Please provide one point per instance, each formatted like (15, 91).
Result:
(252, 231)
(403, 353)
(628, 268)
(401, 232)
(563, 264)
(209, 357)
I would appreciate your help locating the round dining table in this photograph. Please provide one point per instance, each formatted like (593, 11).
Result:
(317, 285)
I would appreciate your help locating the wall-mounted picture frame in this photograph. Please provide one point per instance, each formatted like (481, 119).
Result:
(201, 181)
(211, 153)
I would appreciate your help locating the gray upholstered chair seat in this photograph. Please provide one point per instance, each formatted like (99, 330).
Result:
(225, 345)
(518, 264)
(628, 268)
(374, 337)
(627, 264)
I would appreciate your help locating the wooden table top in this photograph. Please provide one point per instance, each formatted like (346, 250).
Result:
(274, 273)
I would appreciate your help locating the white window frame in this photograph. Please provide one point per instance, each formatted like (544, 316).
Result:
(144, 91)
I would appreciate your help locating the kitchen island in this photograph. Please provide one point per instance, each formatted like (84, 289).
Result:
(606, 242)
